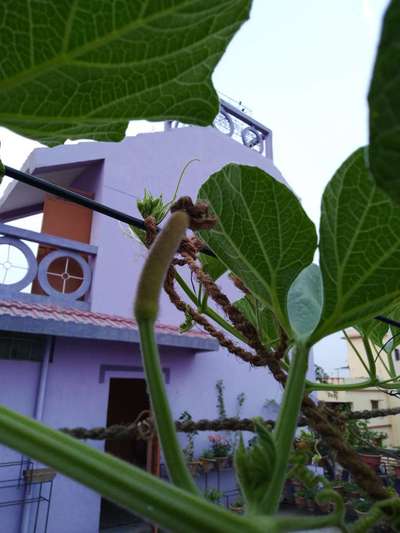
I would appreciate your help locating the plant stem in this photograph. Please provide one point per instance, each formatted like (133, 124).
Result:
(370, 357)
(146, 311)
(311, 386)
(392, 371)
(174, 458)
(348, 338)
(389, 385)
(378, 357)
(286, 425)
(207, 310)
(126, 485)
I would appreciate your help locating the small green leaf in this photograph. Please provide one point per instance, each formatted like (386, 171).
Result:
(359, 248)
(83, 69)
(394, 332)
(262, 235)
(255, 466)
(212, 266)
(384, 104)
(187, 325)
(305, 300)
(261, 317)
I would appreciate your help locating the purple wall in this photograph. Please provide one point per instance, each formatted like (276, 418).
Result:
(153, 161)
(74, 395)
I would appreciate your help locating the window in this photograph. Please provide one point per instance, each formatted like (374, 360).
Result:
(21, 346)
(374, 404)
(397, 354)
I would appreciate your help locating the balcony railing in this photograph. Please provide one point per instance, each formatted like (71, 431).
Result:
(239, 126)
(44, 268)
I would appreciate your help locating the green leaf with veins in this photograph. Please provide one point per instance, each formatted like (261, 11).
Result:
(384, 105)
(83, 69)
(262, 235)
(212, 266)
(261, 317)
(359, 248)
(305, 300)
(374, 330)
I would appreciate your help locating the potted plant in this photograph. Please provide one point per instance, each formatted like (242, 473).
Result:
(325, 507)
(372, 460)
(213, 495)
(309, 495)
(194, 467)
(207, 460)
(188, 450)
(237, 506)
(362, 506)
(299, 499)
(220, 448)
(351, 490)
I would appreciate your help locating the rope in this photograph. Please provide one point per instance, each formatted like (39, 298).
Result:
(143, 428)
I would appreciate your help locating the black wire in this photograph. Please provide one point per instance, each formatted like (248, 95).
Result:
(47, 186)
(391, 322)
(386, 343)
(44, 185)
(388, 320)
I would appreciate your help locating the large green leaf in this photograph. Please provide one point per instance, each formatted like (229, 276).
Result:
(384, 103)
(359, 247)
(83, 69)
(262, 235)
(305, 300)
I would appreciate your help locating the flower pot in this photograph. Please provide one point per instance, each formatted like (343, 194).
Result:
(373, 461)
(238, 509)
(310, 505)
(339, 489)
(206, 464)
(222, 462)
(325, 507)
(194, 467)
(300, 501)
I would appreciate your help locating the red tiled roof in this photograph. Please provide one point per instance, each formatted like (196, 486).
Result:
(21, 309)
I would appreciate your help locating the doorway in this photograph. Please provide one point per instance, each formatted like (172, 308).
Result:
(127, 398)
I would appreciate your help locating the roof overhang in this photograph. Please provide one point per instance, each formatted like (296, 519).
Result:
(14, 318)
(20, 200)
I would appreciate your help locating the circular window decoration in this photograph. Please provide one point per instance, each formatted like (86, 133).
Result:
(65, 275)
(224, 123)
(251, 138)
(17, 265)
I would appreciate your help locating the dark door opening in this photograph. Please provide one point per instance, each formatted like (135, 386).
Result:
(127, 398)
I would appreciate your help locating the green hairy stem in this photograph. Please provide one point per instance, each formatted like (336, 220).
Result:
(286, 425)
(116, 480)
(146, 310)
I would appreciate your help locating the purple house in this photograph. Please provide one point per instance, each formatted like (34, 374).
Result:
(69, 347)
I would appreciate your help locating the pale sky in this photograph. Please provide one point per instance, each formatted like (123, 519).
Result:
(303, 69)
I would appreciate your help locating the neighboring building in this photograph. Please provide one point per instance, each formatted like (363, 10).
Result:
(367, 399)
(69, 349)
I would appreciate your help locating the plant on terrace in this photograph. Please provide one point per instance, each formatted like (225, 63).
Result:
(255, 228)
